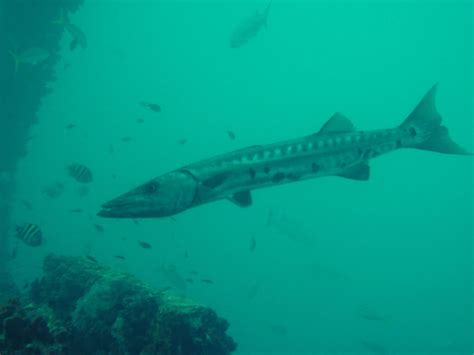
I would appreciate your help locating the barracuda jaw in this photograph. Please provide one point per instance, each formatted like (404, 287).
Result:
(165, 196)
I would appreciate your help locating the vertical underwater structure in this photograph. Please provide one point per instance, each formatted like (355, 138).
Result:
(24, 25)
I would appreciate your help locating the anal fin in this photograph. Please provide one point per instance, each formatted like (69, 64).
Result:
(359, 172)
(241, 198)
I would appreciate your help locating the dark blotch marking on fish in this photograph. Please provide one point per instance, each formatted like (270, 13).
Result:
(216, 180)
(278, 177)
(293, 176)
(266, 169)
(368, 154)
(412, 131)
(398, 144)
(252, 173)
(315, 167)
(360, 152)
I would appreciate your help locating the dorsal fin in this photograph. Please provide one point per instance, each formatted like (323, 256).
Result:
(336, 124)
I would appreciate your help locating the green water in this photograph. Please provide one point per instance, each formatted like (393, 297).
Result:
(397, 247)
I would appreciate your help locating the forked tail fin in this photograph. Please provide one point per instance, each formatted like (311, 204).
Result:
(425, 129)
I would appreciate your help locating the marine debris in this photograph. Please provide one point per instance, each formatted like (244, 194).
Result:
(82, 307)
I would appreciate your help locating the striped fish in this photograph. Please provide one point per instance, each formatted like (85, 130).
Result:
(30, 234)
(80, 173)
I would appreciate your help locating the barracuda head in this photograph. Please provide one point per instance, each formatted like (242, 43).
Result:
(164, 196)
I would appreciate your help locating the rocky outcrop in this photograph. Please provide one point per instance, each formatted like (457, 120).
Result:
(81, 307)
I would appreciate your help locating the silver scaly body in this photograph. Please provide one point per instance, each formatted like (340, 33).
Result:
(336, 150)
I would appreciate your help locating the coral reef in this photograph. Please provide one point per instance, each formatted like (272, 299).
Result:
(81, 307)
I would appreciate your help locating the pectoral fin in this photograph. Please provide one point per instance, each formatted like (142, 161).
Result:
(241, 198)
(357, 172)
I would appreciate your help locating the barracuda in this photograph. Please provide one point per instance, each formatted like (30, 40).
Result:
(336, 150)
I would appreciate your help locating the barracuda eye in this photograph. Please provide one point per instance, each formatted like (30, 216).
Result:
(152, 187)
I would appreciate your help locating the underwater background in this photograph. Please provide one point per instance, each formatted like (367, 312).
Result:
(329, 265)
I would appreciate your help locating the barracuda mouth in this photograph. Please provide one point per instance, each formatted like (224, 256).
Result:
(118, 209)
(164, 196)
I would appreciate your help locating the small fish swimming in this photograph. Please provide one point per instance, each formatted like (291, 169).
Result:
(292, 229)
(189, 280)
(371, 315)
(173, 277)
(126, 139)
(80, 173)
(78, 36)
(76, 210)
(374, 347)
(30, 234)
(27, 205)
(120, 257)
(91, 258)
(136, 222)
(99, 228)
(254, 289)
(54, 191)
(153, 107)
(249, 28)
(207, 281)
(31, 56)
(70, 126)
(82, 191)
(279, 330)
(140, 120)
(182, 141)
(253, 244)
(144, 245)
(231, 135)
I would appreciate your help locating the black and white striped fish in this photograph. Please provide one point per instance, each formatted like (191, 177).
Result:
(30, 234)
(80, 173)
